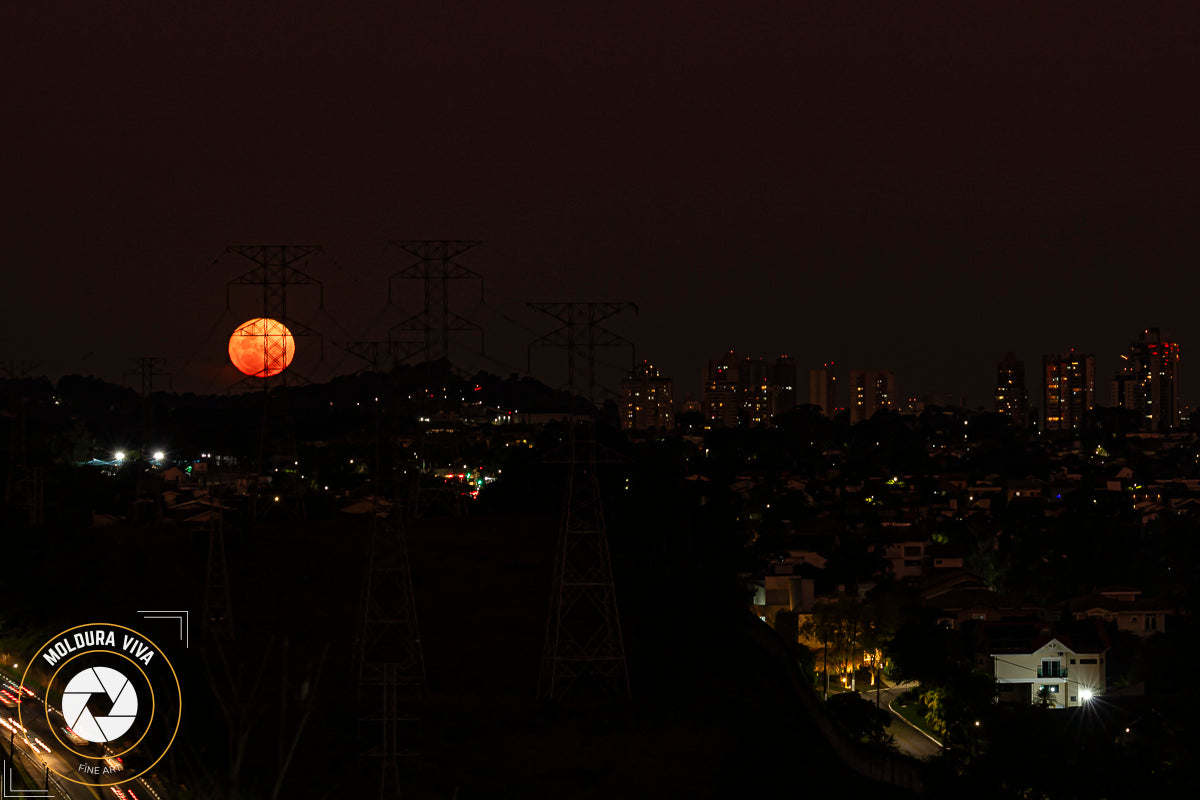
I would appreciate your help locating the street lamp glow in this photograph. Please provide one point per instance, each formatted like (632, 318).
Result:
(119, 455)
(1085, 694)
(159, 455)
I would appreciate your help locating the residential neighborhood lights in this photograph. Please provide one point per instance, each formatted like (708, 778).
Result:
(1085, 695)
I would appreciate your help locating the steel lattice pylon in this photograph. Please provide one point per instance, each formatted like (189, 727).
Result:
(273, 274)
(391, 663)
(583, 628)
(218, 603)
(148, 368)
(428, 331)
(388, 655)
(20, 484)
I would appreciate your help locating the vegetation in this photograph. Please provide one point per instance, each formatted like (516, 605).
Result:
(860, 718)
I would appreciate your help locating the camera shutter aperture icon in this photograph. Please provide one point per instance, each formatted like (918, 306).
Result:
(109, 683)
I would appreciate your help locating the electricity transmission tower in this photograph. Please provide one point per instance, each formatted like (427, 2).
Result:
(583, 628)
(25, 484)
(371, 350)
(274, 272)
(148, 368)
(18, 446)
(390, 661)
(428, 331)
(218, 604)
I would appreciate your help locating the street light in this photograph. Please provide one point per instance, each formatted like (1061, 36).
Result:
(1085, 695)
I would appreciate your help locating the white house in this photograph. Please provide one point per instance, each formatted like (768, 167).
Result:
(905, 554)
(1066, 660)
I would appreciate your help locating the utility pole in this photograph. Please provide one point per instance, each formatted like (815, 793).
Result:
(583, 629)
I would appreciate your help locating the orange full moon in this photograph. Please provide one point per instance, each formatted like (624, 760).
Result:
(261, 347)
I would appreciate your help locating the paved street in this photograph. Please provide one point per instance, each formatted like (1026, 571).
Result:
(62, 762)
(909, 740)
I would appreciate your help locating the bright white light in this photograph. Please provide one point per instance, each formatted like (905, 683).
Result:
(1085, 694)
(119, 455)
(159, 455)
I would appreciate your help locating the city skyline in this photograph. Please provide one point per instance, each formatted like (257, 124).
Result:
(912, 188)
(614, 376)
(412, 561)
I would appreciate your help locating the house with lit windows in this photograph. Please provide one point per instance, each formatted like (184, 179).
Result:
(1126, 609)
(1030, 659)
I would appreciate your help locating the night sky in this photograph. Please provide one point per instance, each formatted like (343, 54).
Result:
(913, 186)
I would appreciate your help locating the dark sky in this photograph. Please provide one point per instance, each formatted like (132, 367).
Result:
(914, 186)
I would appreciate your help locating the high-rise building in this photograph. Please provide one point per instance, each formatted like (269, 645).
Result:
(754, 386)
(649, 401)
(750, 392)
(1149, 382)
(871, 391)
(1011, 398)
(1068, 390)
(1123, 392)
(784, 379)
(822, 389)
(722, 396)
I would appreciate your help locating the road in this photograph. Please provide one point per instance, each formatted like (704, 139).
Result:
(63, 762)
(36, 756)
(909, 739)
